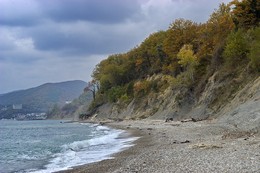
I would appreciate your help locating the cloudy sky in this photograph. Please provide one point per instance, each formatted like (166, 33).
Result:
(58, 40)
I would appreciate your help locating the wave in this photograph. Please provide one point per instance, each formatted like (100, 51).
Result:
(35, 156)
(88, 151)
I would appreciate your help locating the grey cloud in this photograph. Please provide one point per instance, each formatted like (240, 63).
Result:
(19, 57)
(32, 12)
(5, 45)
(90, 39)
(97, 11)
(19, 13)
(18, 22)
(39, 38)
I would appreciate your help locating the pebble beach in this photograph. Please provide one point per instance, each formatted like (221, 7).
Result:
(182, 147)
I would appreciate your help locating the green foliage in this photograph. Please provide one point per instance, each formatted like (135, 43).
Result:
(180, 32)
(178, 56)
(150, 54)
(142, 88)
(236, 48)
(115, 93)
(214, 32)
(246, 13)
(188, 60)
(254, 51)
(186, 56)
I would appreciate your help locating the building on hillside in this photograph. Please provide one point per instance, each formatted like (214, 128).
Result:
(17, 106)
(68, 102)
(4, 108)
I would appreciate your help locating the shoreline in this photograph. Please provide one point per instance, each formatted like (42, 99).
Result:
(117, 159)
(203, 146)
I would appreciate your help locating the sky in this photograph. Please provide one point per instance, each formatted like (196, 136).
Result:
(59, 40)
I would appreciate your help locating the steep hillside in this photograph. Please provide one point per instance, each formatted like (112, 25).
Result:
(240, 108)
(198, 71)
(41, 98)
(243, 111)
(73, 110)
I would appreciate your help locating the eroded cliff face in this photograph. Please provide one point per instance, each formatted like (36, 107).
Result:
(230, 98)
(243, 112)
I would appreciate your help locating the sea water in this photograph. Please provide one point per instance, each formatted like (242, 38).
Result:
(51, 145)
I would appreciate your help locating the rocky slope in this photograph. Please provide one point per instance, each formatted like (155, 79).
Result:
(190, 71)
(233, 99)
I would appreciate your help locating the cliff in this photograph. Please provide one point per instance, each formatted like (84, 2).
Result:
(234, 100)
(199, 71)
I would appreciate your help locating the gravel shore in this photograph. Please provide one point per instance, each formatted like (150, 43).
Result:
(167, 147)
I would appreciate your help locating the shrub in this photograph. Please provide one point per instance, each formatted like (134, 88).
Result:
(141, 88)
(115, 93)
(188, 60)
(236, 48)
(254, 52)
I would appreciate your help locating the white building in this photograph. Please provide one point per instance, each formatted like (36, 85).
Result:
(17, 106)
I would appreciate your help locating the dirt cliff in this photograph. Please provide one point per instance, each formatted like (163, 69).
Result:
(232, 98)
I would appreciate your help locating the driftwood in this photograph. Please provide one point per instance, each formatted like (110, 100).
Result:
(190, 119)
(168, 119)
(181, 142)
(186, 120)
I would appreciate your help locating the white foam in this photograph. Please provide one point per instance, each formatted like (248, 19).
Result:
(35, 156)
(89, 151)
(102, 128)
(27, 157)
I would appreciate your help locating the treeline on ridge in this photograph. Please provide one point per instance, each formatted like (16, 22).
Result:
(182, 54)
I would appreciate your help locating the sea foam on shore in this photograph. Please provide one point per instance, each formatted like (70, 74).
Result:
(50, 146)
(89, 151)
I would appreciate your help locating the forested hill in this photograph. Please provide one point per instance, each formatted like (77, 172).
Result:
(43, 97)
(170, 73)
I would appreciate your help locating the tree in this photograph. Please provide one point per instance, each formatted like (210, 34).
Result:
(213, 33)
(246, 13)
(188, 60)
(236, 48)
(254, 51)
(92, 87)
(150, 54)
(180, 32)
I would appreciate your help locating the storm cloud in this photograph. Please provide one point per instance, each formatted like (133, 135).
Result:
(98, 11)
(57, 40)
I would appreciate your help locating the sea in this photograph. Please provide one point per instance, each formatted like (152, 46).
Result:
(44, 146)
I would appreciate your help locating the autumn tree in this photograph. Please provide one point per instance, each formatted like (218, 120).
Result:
(185, 48)
(213, 33)
(246, 13)
(179, 33)
(150, 53)
(188, 60)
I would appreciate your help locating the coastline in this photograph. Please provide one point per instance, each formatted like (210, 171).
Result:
(204, 146)
(119, 158)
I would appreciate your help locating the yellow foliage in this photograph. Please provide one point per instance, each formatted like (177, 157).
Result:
(138, 62)
(186, 56)
(188, 60)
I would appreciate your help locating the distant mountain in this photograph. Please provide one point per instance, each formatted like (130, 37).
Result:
(43, 97)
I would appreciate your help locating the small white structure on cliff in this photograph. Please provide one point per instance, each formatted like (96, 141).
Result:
(17, 106)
